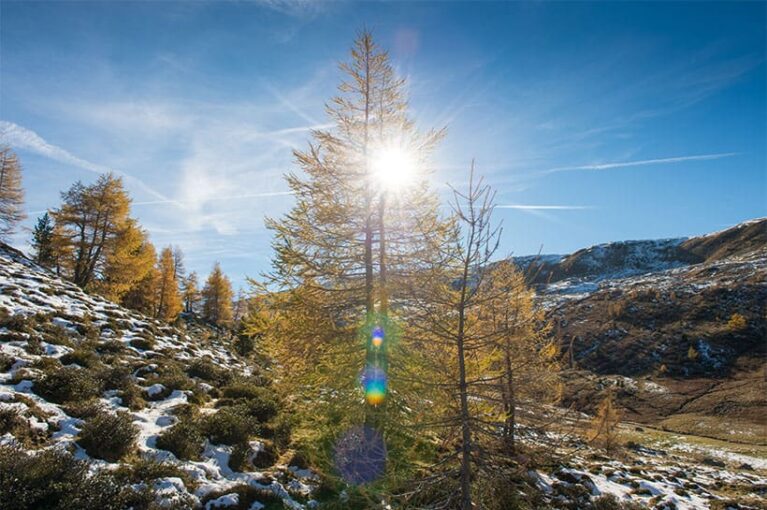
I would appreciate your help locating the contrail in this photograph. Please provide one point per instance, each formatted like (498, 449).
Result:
(643, 162)
(23, 138)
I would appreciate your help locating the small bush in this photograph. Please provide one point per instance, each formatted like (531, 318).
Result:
(239, 460)
(110, 347)
(244, 345)
(246, 496)
(143, 344)
(54, 480)
(12, 421)
(131, 396)
(115, 378)
(66, 384)
(229, 425)
(260, 402)
(82, 356)
(266, 457)
(88, 329)
(6, 362)
(208, 371)
(84, 410)
(108, 436)
(34, 346)
(183, 440)
(146, 470)
(173, 378)
(737, 322)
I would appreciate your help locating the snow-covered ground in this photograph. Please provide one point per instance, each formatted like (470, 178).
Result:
(30, 291)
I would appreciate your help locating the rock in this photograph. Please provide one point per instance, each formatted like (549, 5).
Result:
(710, 461)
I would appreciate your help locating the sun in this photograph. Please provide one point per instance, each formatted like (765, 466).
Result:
(393, 168)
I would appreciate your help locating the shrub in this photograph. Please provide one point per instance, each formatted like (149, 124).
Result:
(66, 384)
(173, 378)
(54, 480)
(229, 425)
(260, 402)
(266, 456)
(81, 356)
(239, 460)
(13, 422)
(34, 346)
(108, 436)
(244, 345)
(143, 344)
(183, 440)
(6, 362)
(87, 328)
(131, 397)
(208, 371)
(84, 410)
(147, 470)
(115, 378)
(246, 496)
(110, 347)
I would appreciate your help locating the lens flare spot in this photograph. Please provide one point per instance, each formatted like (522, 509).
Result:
(360, 455)
(374, 384)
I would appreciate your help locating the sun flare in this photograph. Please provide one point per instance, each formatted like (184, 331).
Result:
(393, 168)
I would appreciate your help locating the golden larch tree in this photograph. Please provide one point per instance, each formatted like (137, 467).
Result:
(11, 193)
(217, 298)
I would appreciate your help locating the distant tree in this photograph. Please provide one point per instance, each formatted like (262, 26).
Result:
(143, 294)
(523, 355)
(190, 292)
(169, 299)
(692, 353)
(130, 258)
(737, 322)
(178, 265)
(217, 298)
(42, 241)
(604, 425)
(93, 218)
(11, 193)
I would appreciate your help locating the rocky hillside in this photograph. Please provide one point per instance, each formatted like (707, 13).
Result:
(171, 413)
(683, 335)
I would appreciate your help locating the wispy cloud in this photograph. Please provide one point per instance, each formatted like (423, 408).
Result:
(641, 162)
(22, 138)
(230, 197)
(525, 207)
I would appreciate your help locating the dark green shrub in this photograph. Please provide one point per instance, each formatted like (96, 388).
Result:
(131, 396)
(261, 402)
(244, 345)
(12, 421)
(67, 383)
(52, 479)
(142, 344)
(115, 378)
(239, 459)
(108, 436)
(279, 430)
(247, 495)
(110, 347)
(81, 356)
(183, 440)
(229, 425)
(34, 346)
(87, 328)
(147, 470)
(172, 377)
(208, 371)
(55, 334)
(266, 456)
(85, 409)
(6, 362)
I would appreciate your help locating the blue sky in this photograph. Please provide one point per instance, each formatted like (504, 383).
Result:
(595, 122)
